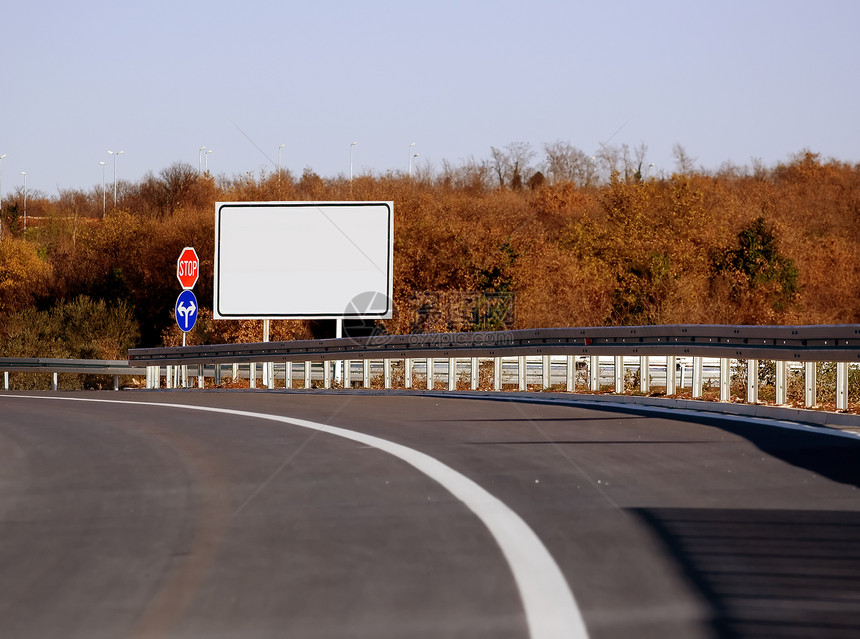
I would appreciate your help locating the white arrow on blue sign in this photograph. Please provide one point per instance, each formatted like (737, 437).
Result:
(186, 310)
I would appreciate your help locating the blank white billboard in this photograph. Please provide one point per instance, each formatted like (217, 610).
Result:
(303, 260)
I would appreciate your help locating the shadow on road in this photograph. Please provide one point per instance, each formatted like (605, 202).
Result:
(769, 573)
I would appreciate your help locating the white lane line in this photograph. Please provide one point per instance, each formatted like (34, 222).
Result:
(550, 609)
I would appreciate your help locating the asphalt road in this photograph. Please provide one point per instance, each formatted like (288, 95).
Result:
(144, 521)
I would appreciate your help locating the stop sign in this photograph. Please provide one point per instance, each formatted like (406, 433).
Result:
(188, 268)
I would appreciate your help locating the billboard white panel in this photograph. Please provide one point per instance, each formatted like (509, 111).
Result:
(303, 260)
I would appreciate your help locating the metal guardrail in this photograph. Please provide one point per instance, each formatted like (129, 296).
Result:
(115, 367)
(837, 343)
(581, 347)
(781, 344)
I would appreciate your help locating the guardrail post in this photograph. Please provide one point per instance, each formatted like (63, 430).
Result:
(54, 383)
(365, 373)
(347, 381)
(288, 375)
(697, 377)
(235, 372)
(430, 384)
(327, 375)
(781, 382)
(594, 373)
(841, 386)
(497, 373)
(725, 379)
(307, 374)
(386, 373)
(168, 376)
(546, 372)
(671, 375)
(452, 374)
(810, 393)
(473, 377)
(752, 381)
(619, 374)
(5, 380)
(201, 374)
(116, 382)
(522, 382)
(407, 372)
(570, 374)
(644, 374)
(252, 374)
(217, 374)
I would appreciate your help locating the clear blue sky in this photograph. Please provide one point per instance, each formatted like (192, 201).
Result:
(729, 81)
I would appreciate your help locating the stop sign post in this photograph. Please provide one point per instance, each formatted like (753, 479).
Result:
(187, 272)
(188, 268)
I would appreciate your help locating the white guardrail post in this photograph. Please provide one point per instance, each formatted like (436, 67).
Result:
(752, 381)
(594, 373)
(698, 382)
(619, 374)
(644, 374)
(810, 389)
(725, 379)
(671, 375)
(781, 382)
(842, 386)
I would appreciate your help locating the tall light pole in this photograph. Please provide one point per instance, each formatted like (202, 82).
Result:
(200, 157)
(279, 168)
(104, 194)
(410, 158)
(1, 194)
(115, 155)
(206, 161)
(350, 160)
(25, 199)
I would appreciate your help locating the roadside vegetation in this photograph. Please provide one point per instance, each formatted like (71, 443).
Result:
(509, 242)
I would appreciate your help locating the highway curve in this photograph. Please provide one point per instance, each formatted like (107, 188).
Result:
(413, 516)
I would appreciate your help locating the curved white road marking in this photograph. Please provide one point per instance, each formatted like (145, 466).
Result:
(550, 609)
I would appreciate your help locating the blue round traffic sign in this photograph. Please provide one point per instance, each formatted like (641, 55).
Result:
(186, 310)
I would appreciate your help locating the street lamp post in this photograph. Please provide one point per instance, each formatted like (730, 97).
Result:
(350, 160)
(104, 193)
(25, 199)
(1, 194)
(206, 161)
(200, 157)
(115, 155)
(279, 168)
(410, 158)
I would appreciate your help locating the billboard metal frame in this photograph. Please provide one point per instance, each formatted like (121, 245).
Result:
(312, 255)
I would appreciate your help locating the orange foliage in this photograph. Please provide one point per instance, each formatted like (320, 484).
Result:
(628, 251)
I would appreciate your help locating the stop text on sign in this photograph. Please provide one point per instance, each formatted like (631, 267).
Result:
(188, 268)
